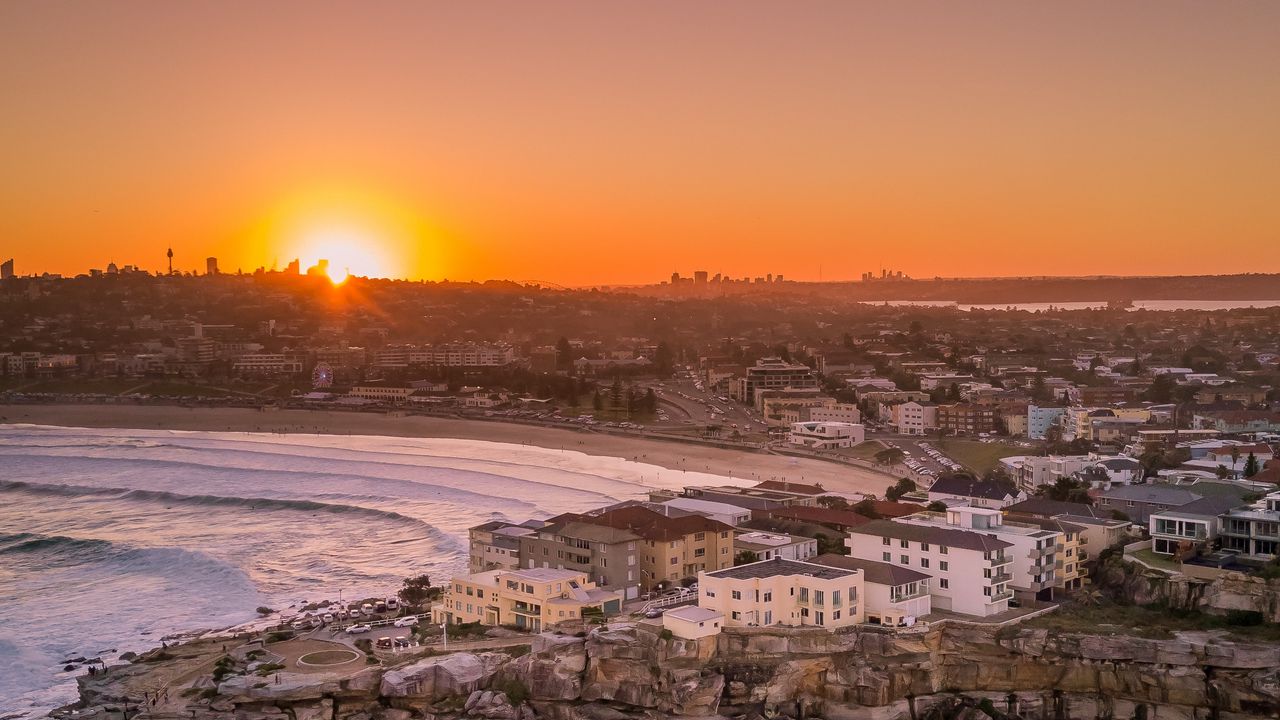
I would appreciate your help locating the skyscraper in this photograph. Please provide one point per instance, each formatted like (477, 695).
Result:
(6, 269)
(170, 256)
(211, 266)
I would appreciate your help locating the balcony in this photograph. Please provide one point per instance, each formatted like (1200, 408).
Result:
(527, 609)
(1082, 541)
(912, 596)
(1004, 595)
(1082, 555)
(998, 561)
(1001, 578)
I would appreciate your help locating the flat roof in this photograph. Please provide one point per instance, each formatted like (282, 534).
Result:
(880, 573)
(951, 537)
(693, 613)
(778, 566)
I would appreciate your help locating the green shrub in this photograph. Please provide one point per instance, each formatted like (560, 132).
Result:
(268, 668)
(517, 692)
(280, 636)
(666, 634)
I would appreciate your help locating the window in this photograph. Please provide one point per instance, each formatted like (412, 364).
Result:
(724, 535)
(942, 549)
(711, 593)
(944, 583)
(986, 591)
(943, 565)
(724, 551)
(924, 562)
(674, 560)
(835, 615)
(904, 544)
(736, 594)
(887, 557)
(904, 559)
(699, 537)
(924, 546)
(700, 552)
(768, 597)
(735, 615)
(884, 541)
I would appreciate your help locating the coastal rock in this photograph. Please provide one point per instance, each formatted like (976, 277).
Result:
(438, 677)
(694, 693)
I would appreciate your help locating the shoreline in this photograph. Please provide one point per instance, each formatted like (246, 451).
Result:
(674, 455)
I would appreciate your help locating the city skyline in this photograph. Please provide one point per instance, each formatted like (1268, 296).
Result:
(579, 145)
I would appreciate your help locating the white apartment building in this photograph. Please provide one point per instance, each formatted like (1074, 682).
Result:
(916, 418)
(933, 382)
(1035, 549)
(767, 546)
(826, 435)
(783, 592)
(448, 355)
(772, 374)
(969, 570)
(838, 412)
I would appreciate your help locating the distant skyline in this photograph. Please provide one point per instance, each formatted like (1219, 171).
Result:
(583, 144)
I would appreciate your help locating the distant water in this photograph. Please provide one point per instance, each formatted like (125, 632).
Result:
(111, 539)
(1166, 305)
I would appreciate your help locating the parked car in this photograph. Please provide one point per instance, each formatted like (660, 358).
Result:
(654, 613)
(406, 621)
(358, 628)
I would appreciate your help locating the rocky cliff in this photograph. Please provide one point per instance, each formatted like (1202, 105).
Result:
(632, 670)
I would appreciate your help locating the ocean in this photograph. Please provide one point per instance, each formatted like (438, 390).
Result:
(113, 539)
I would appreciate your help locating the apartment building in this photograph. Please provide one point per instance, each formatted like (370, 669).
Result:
(966, 419)
(1069, 569)
(447, 355)
(1040, 418)
(1101, 530)
(609, 557)
(826, 435)
(1188, 528)
(915, 417)
(381, 393)
(970, 571)
(783, 592)
(1035, 549)
(764, 496)
(772, 374)
(767, 546)
(964, 488)
(893, 595)
(495, 545)
(726, 513)
(533, 599)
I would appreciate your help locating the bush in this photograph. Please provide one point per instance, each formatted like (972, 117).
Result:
(268, 668)
(209, 693)
(264, 610)
(666, 634)
(517, 692)
(280, 636)
(1246, 618)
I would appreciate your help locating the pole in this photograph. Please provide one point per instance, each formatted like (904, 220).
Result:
(445, 627)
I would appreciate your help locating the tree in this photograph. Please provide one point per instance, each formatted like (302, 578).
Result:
(866, 507)
(830, 545)
(1067, 489)
(1251, 467)
(1161, 389)
(564, 354)
(936, 506)
(1040, 391)
(597, 401)
(662, 361)
(615, 393)
(1222, 472)
(417, 590)
(745, 557)
(902, 487)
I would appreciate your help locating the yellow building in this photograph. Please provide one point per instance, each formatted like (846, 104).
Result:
(532, 599)
(783, 592)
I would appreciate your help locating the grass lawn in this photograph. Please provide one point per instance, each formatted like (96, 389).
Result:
(1157, 561)
(102, 386)
(864, 451)
(1149, 621)
(979, 457)
(180, 389)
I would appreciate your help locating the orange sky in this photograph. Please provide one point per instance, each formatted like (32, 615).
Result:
(609, 143)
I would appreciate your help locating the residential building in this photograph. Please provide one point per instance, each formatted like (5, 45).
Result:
(767, 546)
(1139, 502)
(970, 570)
(966, 419)
(783, 592)
(916, 417)
(670, 549)
(1041, 418)
(495, 545)
(1253, 533)
(826, 435)
(773, 374)
(533, 599)
(1101, 530)
(893, 595)
(266, 364)
(610, 557)
(732, 515)
(1035, 549)
(1230, 422)
(381, 393)
(972, 491)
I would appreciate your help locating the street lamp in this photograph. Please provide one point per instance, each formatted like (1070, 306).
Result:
(445, 627)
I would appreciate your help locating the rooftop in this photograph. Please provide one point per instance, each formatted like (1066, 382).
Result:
(951, 537)
(778, 566)
(880, 573)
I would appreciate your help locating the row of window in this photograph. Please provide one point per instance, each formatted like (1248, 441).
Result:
(906, 545)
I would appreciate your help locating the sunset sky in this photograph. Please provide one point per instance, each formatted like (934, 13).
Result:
(599, 142)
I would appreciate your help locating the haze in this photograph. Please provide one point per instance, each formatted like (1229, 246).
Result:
(584, 143)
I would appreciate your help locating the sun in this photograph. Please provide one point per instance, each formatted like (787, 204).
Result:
(342, 252)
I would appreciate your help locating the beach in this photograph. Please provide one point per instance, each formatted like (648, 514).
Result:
(664, 453)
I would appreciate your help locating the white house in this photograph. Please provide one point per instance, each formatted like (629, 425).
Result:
(916, 418)
(894, 595)
(767, 546)
(691, 622)
(783, 592)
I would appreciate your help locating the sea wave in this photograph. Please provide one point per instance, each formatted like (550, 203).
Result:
(252, 503)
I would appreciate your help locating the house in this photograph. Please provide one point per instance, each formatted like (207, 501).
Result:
(670, 549)
(972, 491)
(969, 570)
(495, 545)
(1252, 532)
(533, 599)
(767, 546)
(1186, 529)
(1101, 530)
(893, 595)
(915, 417)
(783, 592)
(691, 622)
(1138, 502)
(732, 515)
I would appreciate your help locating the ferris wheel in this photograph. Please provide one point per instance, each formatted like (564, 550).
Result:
(322, 376)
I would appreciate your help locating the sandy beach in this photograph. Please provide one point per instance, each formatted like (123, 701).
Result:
(675, 455)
